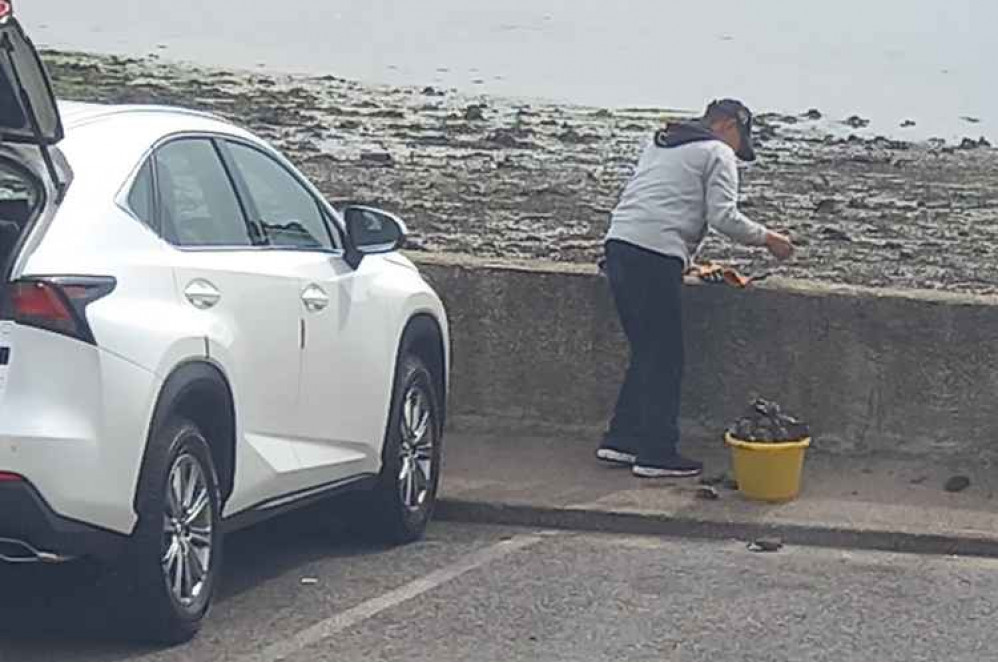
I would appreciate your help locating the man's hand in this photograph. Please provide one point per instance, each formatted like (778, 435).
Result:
(779, 245)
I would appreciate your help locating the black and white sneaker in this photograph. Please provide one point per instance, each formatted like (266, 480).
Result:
(614, 456)
(676, 466)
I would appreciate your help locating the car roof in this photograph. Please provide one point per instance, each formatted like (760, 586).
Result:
(104, 144)
(114, 137)
(77, 113)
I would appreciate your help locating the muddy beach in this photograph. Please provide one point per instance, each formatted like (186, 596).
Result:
(502, 178)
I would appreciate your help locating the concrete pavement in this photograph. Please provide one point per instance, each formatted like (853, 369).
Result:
(594, 598)
(303, 588)
(498, 594)
(873, 502)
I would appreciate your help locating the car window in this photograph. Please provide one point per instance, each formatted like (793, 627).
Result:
(140, 200)
(289, 215)
(198, 205)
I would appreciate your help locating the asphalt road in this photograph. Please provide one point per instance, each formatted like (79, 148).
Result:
(475, 593)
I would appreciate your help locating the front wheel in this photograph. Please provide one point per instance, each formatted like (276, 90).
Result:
(402, 503)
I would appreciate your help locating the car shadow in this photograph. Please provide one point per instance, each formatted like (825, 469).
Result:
(73, 612)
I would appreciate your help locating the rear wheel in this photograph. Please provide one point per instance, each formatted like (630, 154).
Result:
(402, 503)
(176, 550)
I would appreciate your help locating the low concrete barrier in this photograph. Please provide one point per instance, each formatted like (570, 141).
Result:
(873, 370)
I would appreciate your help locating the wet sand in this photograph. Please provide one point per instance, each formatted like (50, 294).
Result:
(503, 178)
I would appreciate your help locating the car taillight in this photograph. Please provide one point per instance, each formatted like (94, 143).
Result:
(5, 9)
(37, 303)
(58, 304)
(7, 477)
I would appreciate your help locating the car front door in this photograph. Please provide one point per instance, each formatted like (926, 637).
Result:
(342, 402)
(246, 300)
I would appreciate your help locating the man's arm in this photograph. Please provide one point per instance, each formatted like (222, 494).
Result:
(722, 203)
(723, 214)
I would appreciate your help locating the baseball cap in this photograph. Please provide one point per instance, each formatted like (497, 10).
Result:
(739, 112)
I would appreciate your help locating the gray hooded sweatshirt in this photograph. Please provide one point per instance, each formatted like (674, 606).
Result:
(686, 182)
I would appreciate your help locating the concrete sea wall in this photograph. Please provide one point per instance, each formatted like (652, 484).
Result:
(899, 372)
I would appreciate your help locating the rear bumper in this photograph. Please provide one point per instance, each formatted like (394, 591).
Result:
(25, 517)
(74, 423)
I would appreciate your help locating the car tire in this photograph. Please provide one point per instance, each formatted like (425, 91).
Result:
(175, 553)
(400, 506)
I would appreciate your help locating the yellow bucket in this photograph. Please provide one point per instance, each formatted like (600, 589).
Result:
(768, 472)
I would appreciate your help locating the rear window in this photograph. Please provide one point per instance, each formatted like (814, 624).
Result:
(10, 109)
(19, 55)
(140, 198)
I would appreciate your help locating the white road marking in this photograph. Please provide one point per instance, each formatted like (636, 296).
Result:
(323, 630)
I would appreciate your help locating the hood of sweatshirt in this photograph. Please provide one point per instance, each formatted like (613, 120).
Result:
(682, 133)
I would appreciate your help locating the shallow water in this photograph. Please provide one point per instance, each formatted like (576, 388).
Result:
(886, 60)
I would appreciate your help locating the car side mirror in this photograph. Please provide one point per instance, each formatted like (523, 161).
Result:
(371, 231)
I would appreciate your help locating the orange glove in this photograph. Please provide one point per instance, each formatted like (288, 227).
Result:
(715, 273)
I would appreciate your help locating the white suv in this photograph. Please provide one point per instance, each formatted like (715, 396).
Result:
(192, 340)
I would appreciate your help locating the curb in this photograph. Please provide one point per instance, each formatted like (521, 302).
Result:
(477, 512)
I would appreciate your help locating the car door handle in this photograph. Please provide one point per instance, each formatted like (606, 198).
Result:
(202, 294)
(314, 298)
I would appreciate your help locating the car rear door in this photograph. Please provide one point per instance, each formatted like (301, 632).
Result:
(28, 116)
(246, 300)
(28, 111)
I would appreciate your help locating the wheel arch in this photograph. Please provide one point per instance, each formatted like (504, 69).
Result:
(199, 392)
(423, 335)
